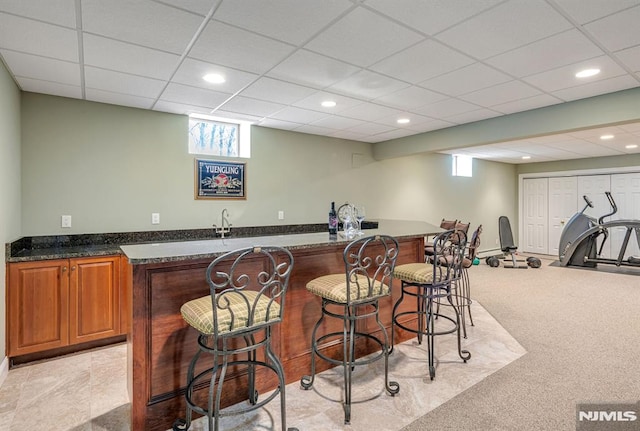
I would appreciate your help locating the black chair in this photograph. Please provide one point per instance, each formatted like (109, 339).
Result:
(430, 282)
(507, 244)
(369, 264)
(234, 322)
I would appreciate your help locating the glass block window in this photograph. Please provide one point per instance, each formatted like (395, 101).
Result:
(214, 138)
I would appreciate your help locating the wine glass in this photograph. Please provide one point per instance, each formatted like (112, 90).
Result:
(360, 213)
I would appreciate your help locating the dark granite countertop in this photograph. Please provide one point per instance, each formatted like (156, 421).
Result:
(211, 248)
(50, 247)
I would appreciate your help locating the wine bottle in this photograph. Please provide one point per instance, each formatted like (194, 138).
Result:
(333, 220)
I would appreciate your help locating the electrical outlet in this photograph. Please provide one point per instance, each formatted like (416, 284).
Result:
(280, 215)
(497, 241)
(66, 221)
(155, 218)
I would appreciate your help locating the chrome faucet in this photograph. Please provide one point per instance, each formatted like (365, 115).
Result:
(225, 225)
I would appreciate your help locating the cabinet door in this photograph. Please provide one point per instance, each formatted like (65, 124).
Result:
(94, 300)
(38, 313)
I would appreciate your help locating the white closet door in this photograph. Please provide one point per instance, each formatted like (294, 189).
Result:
(563, 203)
(594, 186)
(536, 218)
(625, 189)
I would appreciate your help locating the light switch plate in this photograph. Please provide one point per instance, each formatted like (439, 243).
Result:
(66, 221)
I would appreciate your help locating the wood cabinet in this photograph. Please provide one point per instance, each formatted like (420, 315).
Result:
(57, 303)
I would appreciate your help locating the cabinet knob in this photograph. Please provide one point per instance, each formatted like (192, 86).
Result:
(64, 269)
(73, 268)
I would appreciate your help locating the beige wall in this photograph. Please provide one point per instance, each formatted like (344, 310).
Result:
(9, 180)
(110, 167)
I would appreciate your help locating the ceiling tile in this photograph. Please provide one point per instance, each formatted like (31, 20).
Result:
(188, 95)
(416, 63)
(235, 116)
(142, 22)
(124, 57)
(392, 134)
(314, 102)
(564, 77)
(118, 98)
(368, 85)
(61, 12)
(431, 17)
(584, 11)
(347, 134)
(415, 120)
(336, 122)
(368, 128)
(410, 98)
(471, 116)
(631, 128)
(179, 108)
(630, 57)
(279, 124)
(48, 87)
(223, 44)
(259, 108)
(501, 93)
(310, 17)
(370, 112)
(117, 82)
(431, 125)
(534, 102)
(598, 87)
(308, 68)
(314, 130)
(466, 80)
(192, 71)
(33, 37)
(617, 31)
(555, 51)
(298, 115)
(201, 7)
(446, 108)
(42, 68)
(370, 38)
(507, 26)
(277, 91)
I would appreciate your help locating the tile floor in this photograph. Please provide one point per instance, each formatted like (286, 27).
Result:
(87, 391)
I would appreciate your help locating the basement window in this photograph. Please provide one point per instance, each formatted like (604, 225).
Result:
(213, 136)
(462, 166)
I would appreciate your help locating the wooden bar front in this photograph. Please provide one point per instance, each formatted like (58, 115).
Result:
(161, 344)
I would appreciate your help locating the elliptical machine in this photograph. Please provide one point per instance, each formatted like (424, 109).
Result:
(579, 238)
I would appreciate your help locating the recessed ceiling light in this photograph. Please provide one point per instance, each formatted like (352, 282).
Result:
(214, 78)
(526, 157)
(328, 103)
(606, 137)
(587, 73)
(403, 121)
(631, 146)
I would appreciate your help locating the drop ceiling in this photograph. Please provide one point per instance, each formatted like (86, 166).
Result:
(437, 63)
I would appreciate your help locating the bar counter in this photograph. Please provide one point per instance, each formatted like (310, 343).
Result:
(163, 276)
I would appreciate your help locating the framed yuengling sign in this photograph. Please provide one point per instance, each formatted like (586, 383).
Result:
(219, 180)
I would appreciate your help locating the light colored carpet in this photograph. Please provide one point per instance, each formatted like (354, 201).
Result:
(581, 329)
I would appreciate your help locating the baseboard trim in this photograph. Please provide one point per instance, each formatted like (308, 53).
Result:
(4, 369)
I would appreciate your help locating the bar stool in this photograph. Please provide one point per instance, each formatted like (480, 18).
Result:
(428, 282)
(247, 297)
(464, 293)
(369, 263)
(461, 289)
